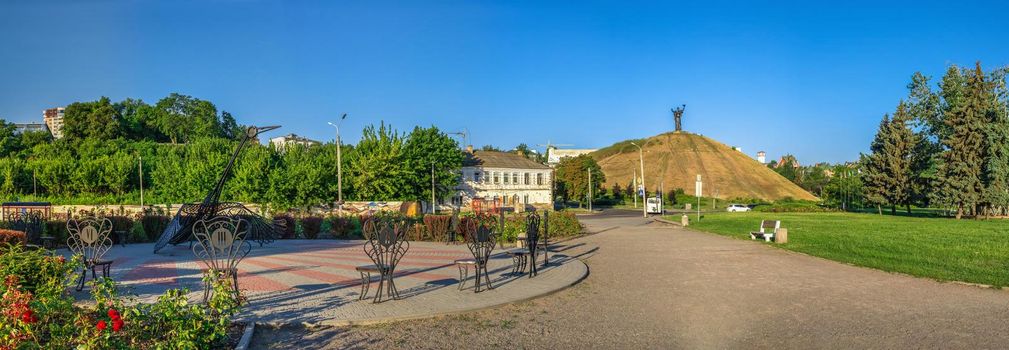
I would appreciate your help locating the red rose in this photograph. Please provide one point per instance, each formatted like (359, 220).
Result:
(101, 325)
(113, 314)
(117, 325)
(61, 259)
(28, 317)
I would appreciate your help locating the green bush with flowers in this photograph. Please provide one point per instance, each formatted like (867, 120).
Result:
(36, 311)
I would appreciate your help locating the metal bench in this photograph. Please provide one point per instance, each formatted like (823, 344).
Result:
(768, 228)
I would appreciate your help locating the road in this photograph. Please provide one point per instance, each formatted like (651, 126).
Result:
(658, 286)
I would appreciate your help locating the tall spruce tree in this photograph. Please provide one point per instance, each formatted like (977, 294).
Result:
(995, 173)
(898, 154)
(874, 173)
(959, 177)
(926, 121)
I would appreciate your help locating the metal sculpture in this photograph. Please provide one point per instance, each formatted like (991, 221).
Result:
(221, 245)
(29, 222)
(481, 237)
(678, 116)
(180, 229)
(89, 238)
(532, 240)
(387, 244)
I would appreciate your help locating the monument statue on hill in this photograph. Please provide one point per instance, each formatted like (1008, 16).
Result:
(678, 116)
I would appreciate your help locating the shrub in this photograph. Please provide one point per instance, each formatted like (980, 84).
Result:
(346, 227)
(58, 230)
(564, 224)
(137, 234)
(46, 317)
(154, 225)
(438, 226)
(311, 226)
(12, 237)
(289, 227)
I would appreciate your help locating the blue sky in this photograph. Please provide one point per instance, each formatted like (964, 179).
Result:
(802, 78)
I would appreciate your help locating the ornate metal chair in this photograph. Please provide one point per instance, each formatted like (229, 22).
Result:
(481, 240)
(89, 238)
(387, 244)
(525, 257)
(31, 224)
(221, 245)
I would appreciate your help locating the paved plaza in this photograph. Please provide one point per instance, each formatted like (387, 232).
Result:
(657, 286)
(315, 282)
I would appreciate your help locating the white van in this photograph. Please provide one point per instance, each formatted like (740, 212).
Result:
(654, 205)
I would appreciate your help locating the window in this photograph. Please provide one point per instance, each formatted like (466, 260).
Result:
(526, 180)
(497, 178)
(515, 178)
(539, 179)
(526, 198)
(505, 199)
(476, 177)
(505, 176)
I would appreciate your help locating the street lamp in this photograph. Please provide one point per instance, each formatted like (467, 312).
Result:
(644, 192)
(339, 166)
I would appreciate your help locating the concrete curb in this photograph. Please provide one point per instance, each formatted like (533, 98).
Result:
(243, 343)
(343, 323)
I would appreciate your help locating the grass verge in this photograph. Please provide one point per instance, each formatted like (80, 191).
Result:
(939, 248)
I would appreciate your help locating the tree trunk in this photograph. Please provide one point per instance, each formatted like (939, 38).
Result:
(959, 212)
(880, 209)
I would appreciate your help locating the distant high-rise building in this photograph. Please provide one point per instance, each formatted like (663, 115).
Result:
(762, 157)
(54, 120)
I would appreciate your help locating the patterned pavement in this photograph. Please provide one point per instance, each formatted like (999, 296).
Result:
(315, 281)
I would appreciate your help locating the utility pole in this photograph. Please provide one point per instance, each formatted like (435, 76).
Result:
(434, 205)
(634, 173)
(35, 187)
(339, 166)
(141, 171)
(644, 190)
(590, 189)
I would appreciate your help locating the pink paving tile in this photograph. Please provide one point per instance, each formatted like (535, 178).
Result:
(419, 275)
(309, 273)
(157, 271)
(251, 282)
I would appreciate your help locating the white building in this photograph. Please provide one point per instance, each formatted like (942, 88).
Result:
(554, 155)
(20, 128)
(53, 118)
(762, 157)
(281, 142)
(493, 179)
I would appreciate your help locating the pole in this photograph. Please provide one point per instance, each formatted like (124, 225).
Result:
(434, 205)
(644, 192)
(589, 189)
(35, 187)
(141, 182)
(339, 166)
(635, 187)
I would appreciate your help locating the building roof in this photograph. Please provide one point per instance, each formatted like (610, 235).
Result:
(494, 159)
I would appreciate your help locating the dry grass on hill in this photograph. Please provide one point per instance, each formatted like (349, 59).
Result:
(676, 159)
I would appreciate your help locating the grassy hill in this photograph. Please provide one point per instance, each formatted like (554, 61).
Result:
(676, 159)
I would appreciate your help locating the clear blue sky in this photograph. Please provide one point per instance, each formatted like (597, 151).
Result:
(801, 78)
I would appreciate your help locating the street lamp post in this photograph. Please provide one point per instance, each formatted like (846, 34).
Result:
(339, 167)
(644, 192)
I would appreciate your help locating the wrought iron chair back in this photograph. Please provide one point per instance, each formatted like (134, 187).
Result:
(29, 222)
(481, 237)
(89, 237)
(387, 242)
(221, 243)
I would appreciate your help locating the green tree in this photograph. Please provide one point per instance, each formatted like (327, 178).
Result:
(423, 149)
(375, 167)
(92, 120)
(10, 142)
(573, 178)
(959, 177)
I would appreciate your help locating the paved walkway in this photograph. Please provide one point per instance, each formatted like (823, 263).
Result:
(663, 287)
(314, 281)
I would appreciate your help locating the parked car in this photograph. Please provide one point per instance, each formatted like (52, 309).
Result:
(737, 207)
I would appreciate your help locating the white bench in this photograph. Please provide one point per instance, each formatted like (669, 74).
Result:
(767, 230)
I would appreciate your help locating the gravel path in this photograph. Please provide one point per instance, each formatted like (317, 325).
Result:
(658, 286)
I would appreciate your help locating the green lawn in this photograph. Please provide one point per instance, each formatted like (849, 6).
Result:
(939, 248)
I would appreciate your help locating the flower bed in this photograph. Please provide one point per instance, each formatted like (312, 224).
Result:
(37, 311)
